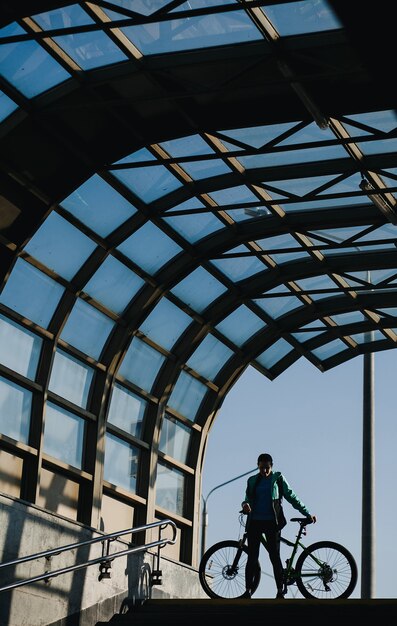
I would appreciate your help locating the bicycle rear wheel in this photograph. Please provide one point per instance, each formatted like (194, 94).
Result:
(326, 571)
(218, 577)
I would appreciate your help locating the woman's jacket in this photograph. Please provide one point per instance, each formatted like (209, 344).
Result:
(276, 478)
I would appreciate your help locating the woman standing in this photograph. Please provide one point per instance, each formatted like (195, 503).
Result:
(262, 503)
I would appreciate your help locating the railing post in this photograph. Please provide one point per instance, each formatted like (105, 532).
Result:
(156, 574)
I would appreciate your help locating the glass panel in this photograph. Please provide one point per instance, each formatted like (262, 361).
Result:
(19, 348)
(345, 185)
(376, 277)
(273, 246)
(27, 66)
(275, 353)
(286, 157)
(91, 202)
(310, 285)
(15, 408)
(148, 183)
(198, 289)
(70, 378)
(121, 463)
(367, 276)
(329, 349)
(140, 7)
(187, 395)
(306, 16)
(165, 324)
(60, 246)
(141, 364)
(198, 170)
(309, 134)
(114, 285)
(31, 293)
(90, 53)
(174, 438)
(170, 488)
(188, 205)
(89, 50)
(235, 196)
(58, 494)
(87, 329)
(353, 249)
(139, 156)
(374, 335)
(278, 305)
(194, 227)
(7, 106)
(194, 145)
(126, 410)
(303, 337)
(64, 435)
(193, 32)
(319, 204)
(240, 325)
(349, 318)
(384, 121)
(378, 147)
(386, 231)
(391, 311)
(65, 17)
(311, 184)
(149, 248)
(334, 238)
(257, 136)
(209, 357)
(306, 334)
(240, 268)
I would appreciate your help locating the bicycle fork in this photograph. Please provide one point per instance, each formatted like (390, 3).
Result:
(233, 568)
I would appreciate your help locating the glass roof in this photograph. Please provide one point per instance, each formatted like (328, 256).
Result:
(257, 244)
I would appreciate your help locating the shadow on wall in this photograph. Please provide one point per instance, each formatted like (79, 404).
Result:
(79, 597)
(138, 590)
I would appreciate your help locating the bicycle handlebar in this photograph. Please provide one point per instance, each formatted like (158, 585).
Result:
(302, 520)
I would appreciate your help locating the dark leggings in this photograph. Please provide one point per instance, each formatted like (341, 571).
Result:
(254, 532)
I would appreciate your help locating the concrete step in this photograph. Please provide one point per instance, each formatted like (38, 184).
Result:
(254, 612)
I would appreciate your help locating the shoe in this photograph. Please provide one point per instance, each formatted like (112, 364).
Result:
(247, 594)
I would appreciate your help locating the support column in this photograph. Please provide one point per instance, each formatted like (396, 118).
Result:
(368, 537)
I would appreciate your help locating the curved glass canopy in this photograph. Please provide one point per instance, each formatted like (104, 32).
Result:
(182, 199)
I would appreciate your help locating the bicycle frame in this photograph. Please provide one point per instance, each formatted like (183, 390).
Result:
(289, 576)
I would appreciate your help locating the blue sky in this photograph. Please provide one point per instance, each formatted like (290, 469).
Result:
(311, 423)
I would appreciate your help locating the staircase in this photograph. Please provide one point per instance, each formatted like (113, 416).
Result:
(256, 612)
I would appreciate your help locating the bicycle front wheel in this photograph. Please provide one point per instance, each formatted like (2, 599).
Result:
(222, 570)
(326, 571)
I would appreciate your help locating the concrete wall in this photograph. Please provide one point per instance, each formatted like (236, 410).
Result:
(79, 596)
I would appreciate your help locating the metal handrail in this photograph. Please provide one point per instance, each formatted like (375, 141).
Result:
(104, 559)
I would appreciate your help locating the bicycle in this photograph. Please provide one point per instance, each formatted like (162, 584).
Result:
(323, 570)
